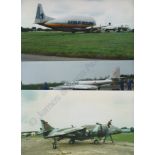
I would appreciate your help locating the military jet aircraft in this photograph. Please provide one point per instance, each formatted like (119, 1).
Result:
(95, 132)
(90, 84)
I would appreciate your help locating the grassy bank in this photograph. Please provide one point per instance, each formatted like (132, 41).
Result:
(124, 137)
(86, 45)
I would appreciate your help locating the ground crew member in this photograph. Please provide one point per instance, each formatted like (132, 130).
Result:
(107, 133)
(122, 84)
(109, 123)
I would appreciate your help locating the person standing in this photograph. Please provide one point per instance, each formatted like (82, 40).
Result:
(107, 132)
(122, 84)
(129, 83)
(109, 123)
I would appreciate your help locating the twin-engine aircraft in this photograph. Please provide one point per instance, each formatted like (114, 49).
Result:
(68, 24)
(90, 84)
(95, 132)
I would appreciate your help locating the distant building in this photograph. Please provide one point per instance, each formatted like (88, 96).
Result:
(29, 133)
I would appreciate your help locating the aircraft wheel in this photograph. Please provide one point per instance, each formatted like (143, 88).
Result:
(96, 141)
(71, 141)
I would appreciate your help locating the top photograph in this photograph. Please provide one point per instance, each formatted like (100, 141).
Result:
(77, 30)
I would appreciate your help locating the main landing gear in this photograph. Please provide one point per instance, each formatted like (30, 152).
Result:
(55, 144)
(72, 141)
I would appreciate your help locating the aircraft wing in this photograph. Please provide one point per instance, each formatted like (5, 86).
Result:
(95, 82)
(63, 132)
(85, 87)
(76, 87)
(93, 29)
(62, 87)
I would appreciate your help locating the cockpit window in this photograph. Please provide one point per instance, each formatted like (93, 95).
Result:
(96, 128)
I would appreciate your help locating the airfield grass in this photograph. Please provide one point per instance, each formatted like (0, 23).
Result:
(122, 137)
(112, 45)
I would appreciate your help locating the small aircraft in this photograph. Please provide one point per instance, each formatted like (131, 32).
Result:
(26, 134)
(89, 84)
(68, 24)
(109, 28)
(95, 132)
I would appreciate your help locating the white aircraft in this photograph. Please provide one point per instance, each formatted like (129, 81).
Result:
(89, 84)
(69, 24)
(108, 28)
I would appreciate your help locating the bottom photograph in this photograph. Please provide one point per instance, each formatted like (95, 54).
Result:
(77, 122)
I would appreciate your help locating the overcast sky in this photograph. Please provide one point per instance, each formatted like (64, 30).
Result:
(65, 108)
(58, 71)
(117, 12)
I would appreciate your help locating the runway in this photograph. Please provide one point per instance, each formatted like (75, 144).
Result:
(31, 57)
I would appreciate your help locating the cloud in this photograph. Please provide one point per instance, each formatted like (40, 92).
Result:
(39, 72)
(61, 109)
(117, 12)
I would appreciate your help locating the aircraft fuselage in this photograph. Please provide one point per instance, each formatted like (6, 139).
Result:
(70, 23)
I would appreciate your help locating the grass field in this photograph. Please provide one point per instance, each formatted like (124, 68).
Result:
(83, 45)
(124, 137)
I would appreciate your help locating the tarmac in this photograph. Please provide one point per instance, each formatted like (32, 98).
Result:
(40, 146)
(31, 57)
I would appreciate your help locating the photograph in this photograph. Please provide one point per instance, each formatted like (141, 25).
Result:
(78, 75)
(77, 30)
(78, 123)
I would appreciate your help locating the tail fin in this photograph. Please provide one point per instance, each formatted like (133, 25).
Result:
(46, 128)
(116, 73)
(40, 15)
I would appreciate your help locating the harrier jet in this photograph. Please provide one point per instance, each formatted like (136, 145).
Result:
(95, 132)
(68, 24)
(90, 84)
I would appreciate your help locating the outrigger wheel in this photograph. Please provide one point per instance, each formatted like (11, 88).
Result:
(54, 145)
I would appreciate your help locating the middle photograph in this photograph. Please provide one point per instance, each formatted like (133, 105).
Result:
(78, 75)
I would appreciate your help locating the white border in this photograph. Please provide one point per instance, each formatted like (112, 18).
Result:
(144, 77)
(10, 77)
